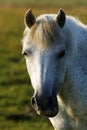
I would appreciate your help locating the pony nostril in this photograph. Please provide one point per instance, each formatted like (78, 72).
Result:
(33, 101)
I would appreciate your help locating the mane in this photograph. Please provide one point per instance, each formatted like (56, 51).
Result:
(73, 28)
(46, 31)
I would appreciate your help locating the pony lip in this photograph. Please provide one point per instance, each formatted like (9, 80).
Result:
(50, 112)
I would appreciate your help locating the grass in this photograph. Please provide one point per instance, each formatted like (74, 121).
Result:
(15, 88)
(59, 2)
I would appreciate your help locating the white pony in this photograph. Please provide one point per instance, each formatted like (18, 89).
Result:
(55, 48)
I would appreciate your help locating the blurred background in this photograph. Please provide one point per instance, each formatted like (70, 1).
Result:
(15, 89)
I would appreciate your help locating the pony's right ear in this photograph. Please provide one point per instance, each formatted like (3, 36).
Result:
(29, 18)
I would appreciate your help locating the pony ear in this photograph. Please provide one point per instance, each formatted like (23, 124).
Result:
(61, 18)
(29, 19)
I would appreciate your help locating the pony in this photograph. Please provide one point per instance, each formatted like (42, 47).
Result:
(55, 49)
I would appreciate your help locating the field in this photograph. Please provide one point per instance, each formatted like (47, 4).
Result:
(46, 2)
(15, 89)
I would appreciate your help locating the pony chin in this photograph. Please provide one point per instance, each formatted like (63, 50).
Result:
(49, 112)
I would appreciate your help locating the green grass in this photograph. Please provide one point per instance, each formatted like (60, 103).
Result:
(15, 87)
(50, 2)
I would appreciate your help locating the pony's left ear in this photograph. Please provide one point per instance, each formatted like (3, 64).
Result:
(29, 18)
(61, 18)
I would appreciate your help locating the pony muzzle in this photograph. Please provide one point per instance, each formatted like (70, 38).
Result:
(45, 106)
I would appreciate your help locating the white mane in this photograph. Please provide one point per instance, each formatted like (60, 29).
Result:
(74, 27)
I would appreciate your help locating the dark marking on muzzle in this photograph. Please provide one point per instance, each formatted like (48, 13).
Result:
(43, 105)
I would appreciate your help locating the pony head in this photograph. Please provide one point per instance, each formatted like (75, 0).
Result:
(44, 47)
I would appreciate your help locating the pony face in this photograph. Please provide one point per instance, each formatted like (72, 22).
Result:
(45, 52)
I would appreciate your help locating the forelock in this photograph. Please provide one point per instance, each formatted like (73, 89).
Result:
(45, 31)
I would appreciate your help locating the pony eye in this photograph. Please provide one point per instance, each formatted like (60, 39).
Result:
(61, 54)
(28, 52)
(24, 53)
